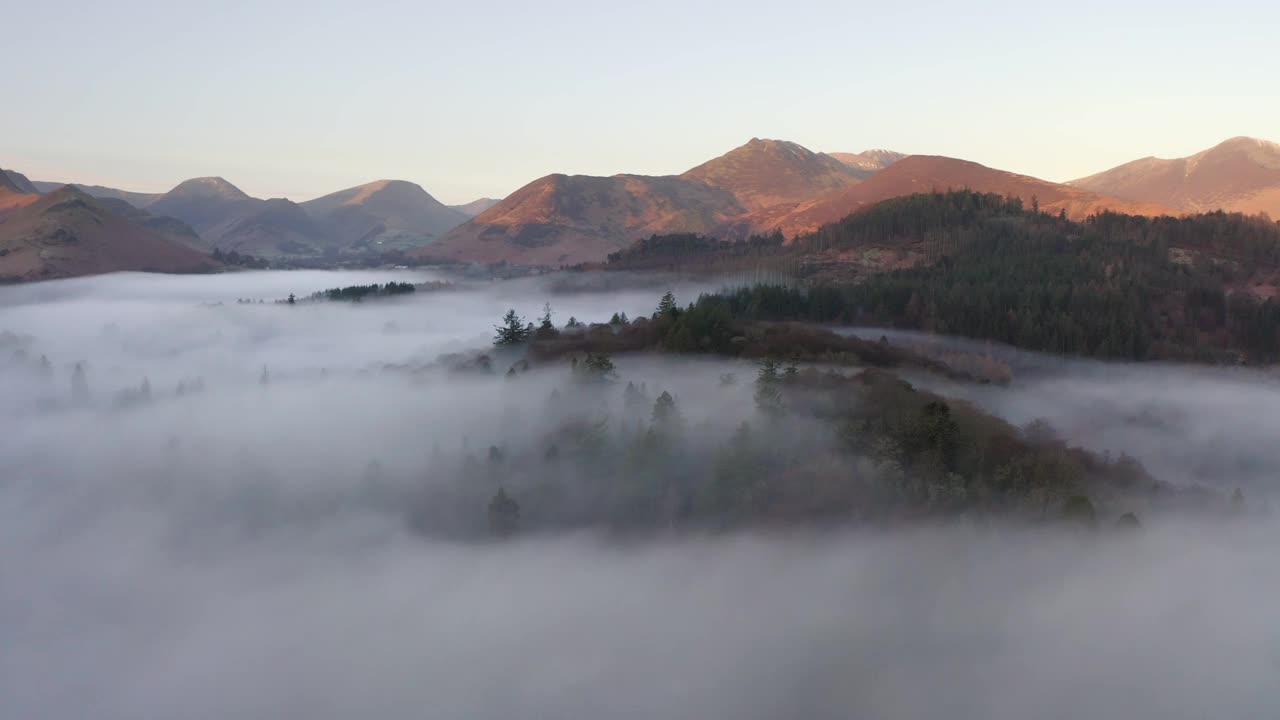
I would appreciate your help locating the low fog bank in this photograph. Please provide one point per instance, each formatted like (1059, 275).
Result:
(1212, 426)
(239, 540)
(954, 624)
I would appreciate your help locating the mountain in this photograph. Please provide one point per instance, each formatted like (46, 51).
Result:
(764, 173)
(17, 181)
(568, 219)
(1239, 175)
(204, 203)
(227, 218)
(136, 199)
(475, 207)
(923, 173)
(168, 227)
(389, 212)
(271, 228)
(562, 219)
(869, 161)
(68, 232)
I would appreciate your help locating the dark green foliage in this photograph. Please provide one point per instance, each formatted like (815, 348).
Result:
(512, 331)
(1078, 510)
(291, 299)
(237, 259)
(867, 447)
(690, 251)
(1128, 521)
(504, 514)
(596, 367)
(665, 413)
(357, 293)
(768, 395)
(667, 306)
(1113, 286)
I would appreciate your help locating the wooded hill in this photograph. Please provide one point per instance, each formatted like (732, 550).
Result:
(1200, 287)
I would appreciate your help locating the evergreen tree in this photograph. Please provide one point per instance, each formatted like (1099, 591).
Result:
(635, 396)
(768, 395)
(292, 300)
(79, 384)
(512, 331)
(667, 305)
(1237, 501)
(666, 415)
(1078, 510)
(596, 368)
(545, 323)
(504, 514)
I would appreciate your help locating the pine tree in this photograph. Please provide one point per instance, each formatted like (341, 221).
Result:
(665, 413)
(667, 305)
(596, 368)
(504, 514)
(768, 395)
(79, 384)
(512, 331)
(545, 323)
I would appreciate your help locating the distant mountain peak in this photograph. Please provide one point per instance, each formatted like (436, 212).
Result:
(7, 183)
(209, 187)
(869, 161)
(17, 181)
(766, 172)
(1240, 174)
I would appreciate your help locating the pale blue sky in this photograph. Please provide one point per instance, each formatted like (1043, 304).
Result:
(469, 99)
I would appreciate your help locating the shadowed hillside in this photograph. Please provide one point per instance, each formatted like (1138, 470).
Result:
(390, 212)
(67, 233)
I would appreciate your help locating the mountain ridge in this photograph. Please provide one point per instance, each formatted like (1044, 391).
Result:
(924, 173)
(68, 233)
(1240, 174)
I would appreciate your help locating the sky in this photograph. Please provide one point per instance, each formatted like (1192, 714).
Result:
(292, 99)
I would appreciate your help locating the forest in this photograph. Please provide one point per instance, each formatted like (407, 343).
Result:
(984, 266)
(844, 441)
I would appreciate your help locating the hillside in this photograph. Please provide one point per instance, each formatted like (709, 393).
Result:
(229, 219)
(1239, 175)
(204, 203)
(764, 173)
(136, 199)
(168, 227)
(1198, 287)
(393, 213)
(563, 219)
(15, 181)
(475, 207)
(68, 233)
(924, 173)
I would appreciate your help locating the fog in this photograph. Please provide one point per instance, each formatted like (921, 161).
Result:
(241, 547)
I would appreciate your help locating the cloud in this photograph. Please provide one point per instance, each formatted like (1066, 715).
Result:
(230, 551)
